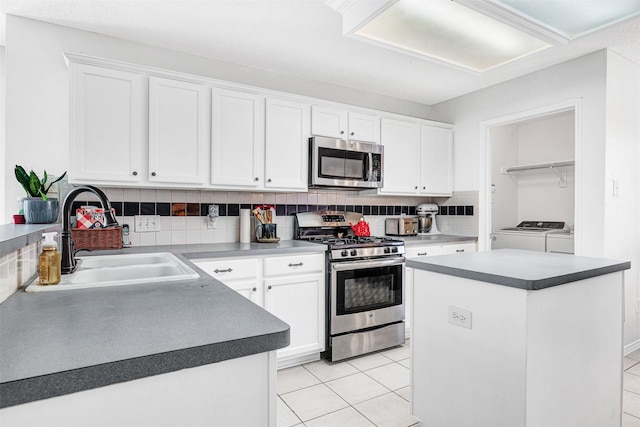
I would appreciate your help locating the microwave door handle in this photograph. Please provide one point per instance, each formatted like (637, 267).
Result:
(368, 166)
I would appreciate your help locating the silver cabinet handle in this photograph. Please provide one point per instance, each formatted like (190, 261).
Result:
(228, 270)
(459, 250)
(296, 265)
(422, 254)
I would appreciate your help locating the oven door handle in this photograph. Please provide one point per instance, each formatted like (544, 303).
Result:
(357, 265)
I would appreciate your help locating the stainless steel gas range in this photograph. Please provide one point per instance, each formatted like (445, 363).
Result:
(364, 286)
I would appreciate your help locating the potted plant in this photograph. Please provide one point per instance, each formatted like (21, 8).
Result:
(37, 207)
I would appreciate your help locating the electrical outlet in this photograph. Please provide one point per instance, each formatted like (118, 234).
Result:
(211, 222)
(214, 212)
(460, 317)
(146, 223)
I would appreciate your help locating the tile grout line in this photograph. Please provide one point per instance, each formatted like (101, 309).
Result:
(389, 391)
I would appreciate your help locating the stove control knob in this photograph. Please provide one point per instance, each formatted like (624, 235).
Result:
(387, 250)
(354, 252)
(344, 253)
(394, 250)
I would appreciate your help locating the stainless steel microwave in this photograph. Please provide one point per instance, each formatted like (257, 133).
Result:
(345, 164)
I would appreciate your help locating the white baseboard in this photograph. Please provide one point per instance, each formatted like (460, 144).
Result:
(629, 348)
(294, 361)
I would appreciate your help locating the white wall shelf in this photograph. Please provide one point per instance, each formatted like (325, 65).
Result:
(559, 168)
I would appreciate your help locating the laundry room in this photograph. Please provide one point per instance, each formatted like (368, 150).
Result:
(533, 182)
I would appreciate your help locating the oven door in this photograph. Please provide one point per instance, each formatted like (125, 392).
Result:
(365, 294)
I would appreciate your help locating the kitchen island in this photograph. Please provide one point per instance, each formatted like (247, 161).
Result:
(143, 354)
(517, 338)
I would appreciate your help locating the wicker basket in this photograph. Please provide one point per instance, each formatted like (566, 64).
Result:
(97, 238)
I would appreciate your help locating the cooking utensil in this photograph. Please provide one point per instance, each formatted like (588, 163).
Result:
(258, 216)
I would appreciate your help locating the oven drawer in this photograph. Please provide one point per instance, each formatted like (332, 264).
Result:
(362, 342)
(293, 264)
(227, 269)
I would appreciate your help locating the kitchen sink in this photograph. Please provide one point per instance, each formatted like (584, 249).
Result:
(117, 270)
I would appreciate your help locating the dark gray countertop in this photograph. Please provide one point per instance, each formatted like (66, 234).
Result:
(17, 236)
(56, 343)
(519, 269)
(435, 239)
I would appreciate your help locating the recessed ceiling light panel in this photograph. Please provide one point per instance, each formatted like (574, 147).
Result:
(449, 32)
(574, 18)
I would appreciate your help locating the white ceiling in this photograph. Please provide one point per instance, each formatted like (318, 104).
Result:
(302, 38)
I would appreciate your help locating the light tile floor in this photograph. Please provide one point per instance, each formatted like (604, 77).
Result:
(371, 390)
(631, 392)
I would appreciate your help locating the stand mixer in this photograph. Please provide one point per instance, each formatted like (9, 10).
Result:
(427, 218)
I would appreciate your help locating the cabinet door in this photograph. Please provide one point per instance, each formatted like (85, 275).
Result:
(177, 131)
(436, 155)
(248, 289)
(237, 139)
(299, 301)
(401, 141)
(414, 252)
(408, 300)
(364, 127)
(108, 129)
(331, 122)
(286, 145)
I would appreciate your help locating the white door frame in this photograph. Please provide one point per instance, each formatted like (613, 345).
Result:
(484, 193)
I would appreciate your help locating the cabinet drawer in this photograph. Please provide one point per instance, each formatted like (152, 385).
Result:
(226, 269)
(420, 251)
(293, 264)
(459, 248)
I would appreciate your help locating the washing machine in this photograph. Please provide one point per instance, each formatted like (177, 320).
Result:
(528, 235)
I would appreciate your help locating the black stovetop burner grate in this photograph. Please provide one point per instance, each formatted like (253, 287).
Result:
(355, 240)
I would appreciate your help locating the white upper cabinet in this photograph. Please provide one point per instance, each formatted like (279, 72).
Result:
(364, 127)
(108, 125)
(343, 124)
(177, 131)
(401, 141)
(237, 139)
(331, 122)
(142, 127)
(436, 161)
(286, 144)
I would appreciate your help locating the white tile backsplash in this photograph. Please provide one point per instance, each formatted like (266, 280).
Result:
(193, 229)
(18, 268)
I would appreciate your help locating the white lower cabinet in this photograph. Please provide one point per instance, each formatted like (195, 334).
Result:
(297, 301)
(291, 287)
(413, 252)
(232, 393)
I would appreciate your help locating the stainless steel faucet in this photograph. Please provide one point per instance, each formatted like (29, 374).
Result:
(68, 253)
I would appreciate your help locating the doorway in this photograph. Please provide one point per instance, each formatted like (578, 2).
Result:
(530, 169)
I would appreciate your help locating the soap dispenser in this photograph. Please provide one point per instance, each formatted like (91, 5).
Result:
(49, 260)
